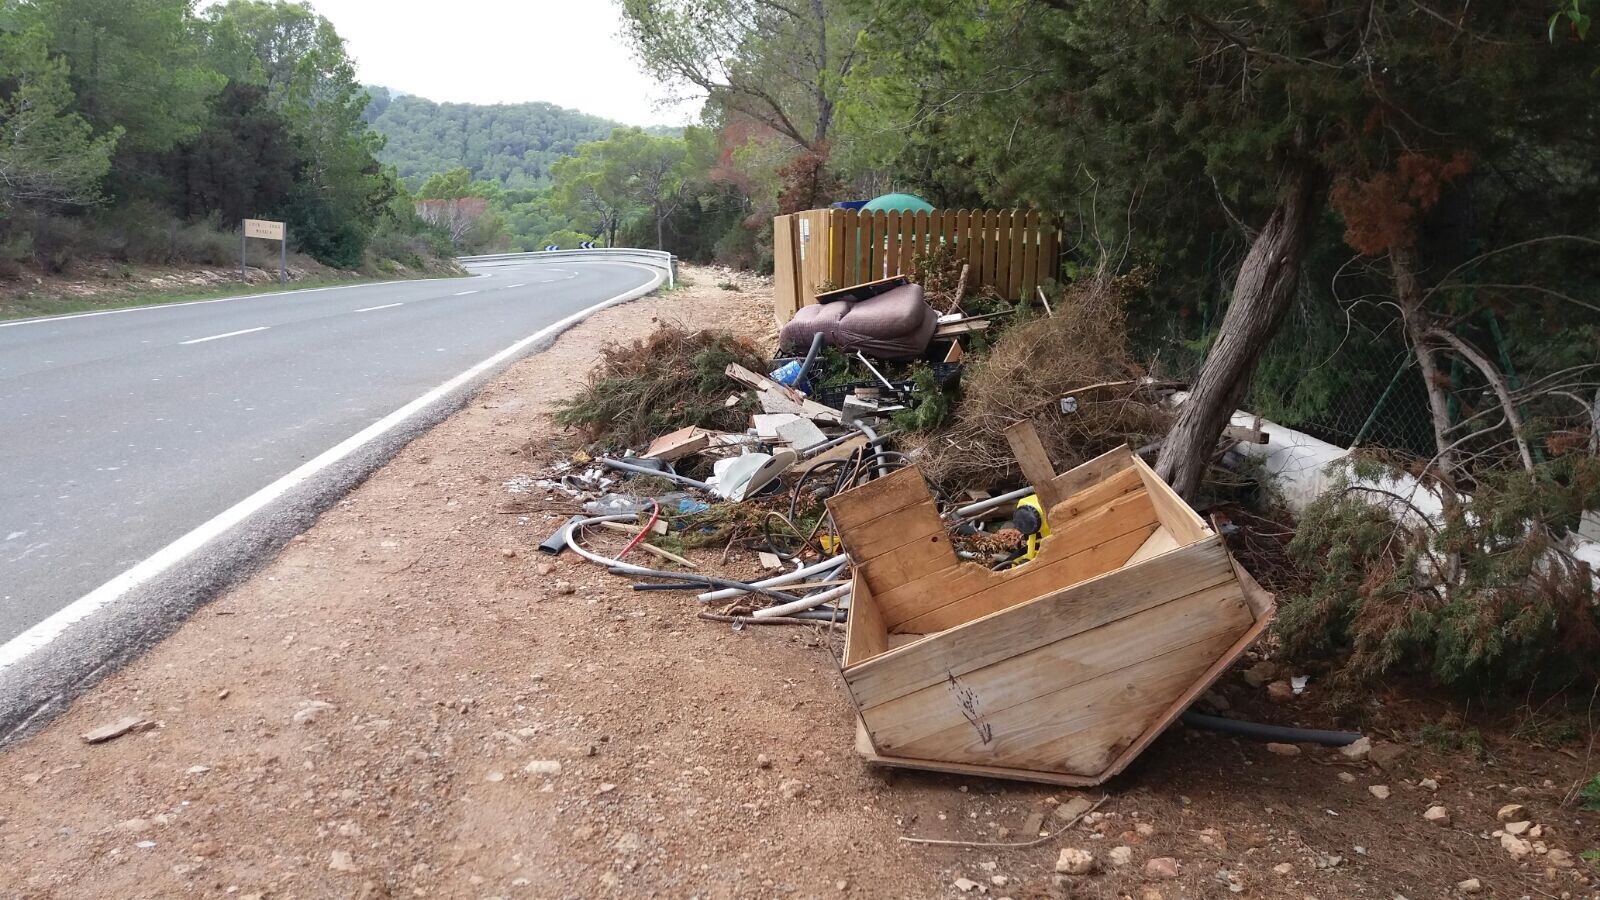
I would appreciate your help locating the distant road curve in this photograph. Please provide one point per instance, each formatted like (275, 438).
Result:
(149, 456)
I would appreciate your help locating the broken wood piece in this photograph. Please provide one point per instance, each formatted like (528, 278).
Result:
(956, 329)
(125, 725)
(668, 555)
(788, 428)
(1246, 434)
(769, 390)
(678, 444)
(1034, 461)
(864, 291)
(659, 527)
(955, 353)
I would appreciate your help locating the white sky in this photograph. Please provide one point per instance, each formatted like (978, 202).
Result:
(566, 52)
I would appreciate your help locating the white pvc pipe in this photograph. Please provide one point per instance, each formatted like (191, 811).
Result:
(774, 581)
(804, 603)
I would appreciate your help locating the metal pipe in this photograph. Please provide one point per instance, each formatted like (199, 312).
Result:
(872, 438)
(804, 603)
(621, 568)
(972, 509)
(1264, 732)
(817, 341)
(821, 615)
(801, 574)
(641, 470)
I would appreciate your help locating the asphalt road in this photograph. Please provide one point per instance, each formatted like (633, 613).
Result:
(121, 432)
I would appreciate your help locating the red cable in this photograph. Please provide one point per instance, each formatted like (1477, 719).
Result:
(655, 513)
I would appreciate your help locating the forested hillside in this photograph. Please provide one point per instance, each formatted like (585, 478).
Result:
(142, 131)
(512, 145)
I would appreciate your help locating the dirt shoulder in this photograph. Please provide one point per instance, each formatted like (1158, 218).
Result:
(401, 704)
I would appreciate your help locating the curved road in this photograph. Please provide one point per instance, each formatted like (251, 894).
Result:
(120, 432)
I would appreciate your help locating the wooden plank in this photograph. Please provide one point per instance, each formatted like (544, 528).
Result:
(1262, 602)
(839, 451)
(956, 329)
(1030, 256)
(785, 284)
(678, 444)
(1032, 580)
(891, 249)
(863, 291)
(880, 241)
(1091, 498)
(1100, 468)
(918, 522)
(983, 246)
(836, 247)
(865, 636)
(863, 503)
(1130, 514)
(963, 239)
(908, 239)
(873, 758)
(1189, 695)
(1156, 544)
(1080, 729)
(1018, 241)
(1178, 516)
(1034, 461)
(1051, 617)
(1002, 253)
(907, 563)
(936, 227)
(902, 724)
(802, 405)
(850, 245)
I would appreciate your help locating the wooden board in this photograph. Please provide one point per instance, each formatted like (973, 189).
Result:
(904, 725)
(1034, 461)
(678, 444)
(1042, 620)
(785, 279)
(864, 291)
(1155, 545)
(865, 636)
(1178, 517)
(878, 497)
(1095, 470)
(865, 749)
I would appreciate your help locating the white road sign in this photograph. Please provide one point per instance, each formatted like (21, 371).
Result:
(262, 228)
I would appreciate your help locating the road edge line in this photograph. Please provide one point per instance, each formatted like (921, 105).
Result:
(41, 634)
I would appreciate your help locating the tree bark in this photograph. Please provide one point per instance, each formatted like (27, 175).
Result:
(1403, 264)
(1502, 392)
(1262, 296)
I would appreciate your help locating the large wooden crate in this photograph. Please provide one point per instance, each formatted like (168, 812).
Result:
(1062, 670)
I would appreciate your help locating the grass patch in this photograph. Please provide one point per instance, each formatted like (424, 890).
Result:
(27, 306)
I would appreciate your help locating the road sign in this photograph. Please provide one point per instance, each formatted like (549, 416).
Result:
(263, 228)
(586, 245)
(266, 229)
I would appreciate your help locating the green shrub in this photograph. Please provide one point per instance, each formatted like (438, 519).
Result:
(1590, 794)
(1518, 609)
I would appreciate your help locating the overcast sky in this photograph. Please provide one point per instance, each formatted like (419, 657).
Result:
(566, 52)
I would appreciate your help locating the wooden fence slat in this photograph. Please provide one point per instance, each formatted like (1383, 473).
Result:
(891, 249)
(963, 239)
(1019, 220)
(908, 241)
(986, 225)
(847, 248)
(836, 254)
(880, 241)
(1002, 259)
(785, 287)
(1030, 256)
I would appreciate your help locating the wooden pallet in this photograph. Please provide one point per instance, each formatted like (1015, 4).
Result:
(1061, 670)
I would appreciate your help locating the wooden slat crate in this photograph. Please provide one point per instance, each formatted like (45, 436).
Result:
(1061, 670)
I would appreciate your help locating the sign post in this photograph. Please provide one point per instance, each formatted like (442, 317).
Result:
(266, 230)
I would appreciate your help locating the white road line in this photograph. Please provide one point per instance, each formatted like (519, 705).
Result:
(510, 286)
(218, 337)
(40, 635)
(385, 306)
(464, 293)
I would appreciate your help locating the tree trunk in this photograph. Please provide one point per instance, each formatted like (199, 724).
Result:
(1403, 264)
(1262, 296)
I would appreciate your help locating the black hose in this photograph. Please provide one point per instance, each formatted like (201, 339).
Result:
(669, 586)
(707, 581)
(1263, 732)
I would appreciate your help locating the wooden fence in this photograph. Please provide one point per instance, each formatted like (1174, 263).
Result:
(1008, 250)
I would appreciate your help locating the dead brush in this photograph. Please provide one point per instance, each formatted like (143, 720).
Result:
(668, 380)
(1023, 376)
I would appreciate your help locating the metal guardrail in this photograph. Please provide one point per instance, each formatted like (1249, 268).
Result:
(656, 259)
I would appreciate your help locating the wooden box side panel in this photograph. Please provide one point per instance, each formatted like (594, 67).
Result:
(1071, 705)
(1177, 516)
(865, 635)
(1043, 620)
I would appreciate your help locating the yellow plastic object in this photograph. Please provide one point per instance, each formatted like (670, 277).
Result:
(1032, 500)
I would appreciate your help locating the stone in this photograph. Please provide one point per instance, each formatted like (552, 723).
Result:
(1211, 837)
(1161, 867)
(1074, 861)
(1280, 692)
(341, 861)
(1518, 828)
(1284, 868)
(1559, 858)
(1387, 756)
(763, 761)
(1428, 784)
(311, 711)
(1438, 815)
(1517, 847)
(1121, 856)
(1214, 701)
(1073, 808)
(999, 880)
(494, 777)
(1259, 674)
(792, 789)
(1145, 829)
(1470, 886)
(1358, 750)
(965, 885)
(1283, 749)
(134, 826)
(1033, 824)
(545, 767)
(1347, 778)
(564, 588)
(120, 727)
(508, 553)
(544, 569)
(1509, 813)
(1381, 791)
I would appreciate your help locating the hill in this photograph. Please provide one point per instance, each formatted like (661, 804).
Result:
(512, 144)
